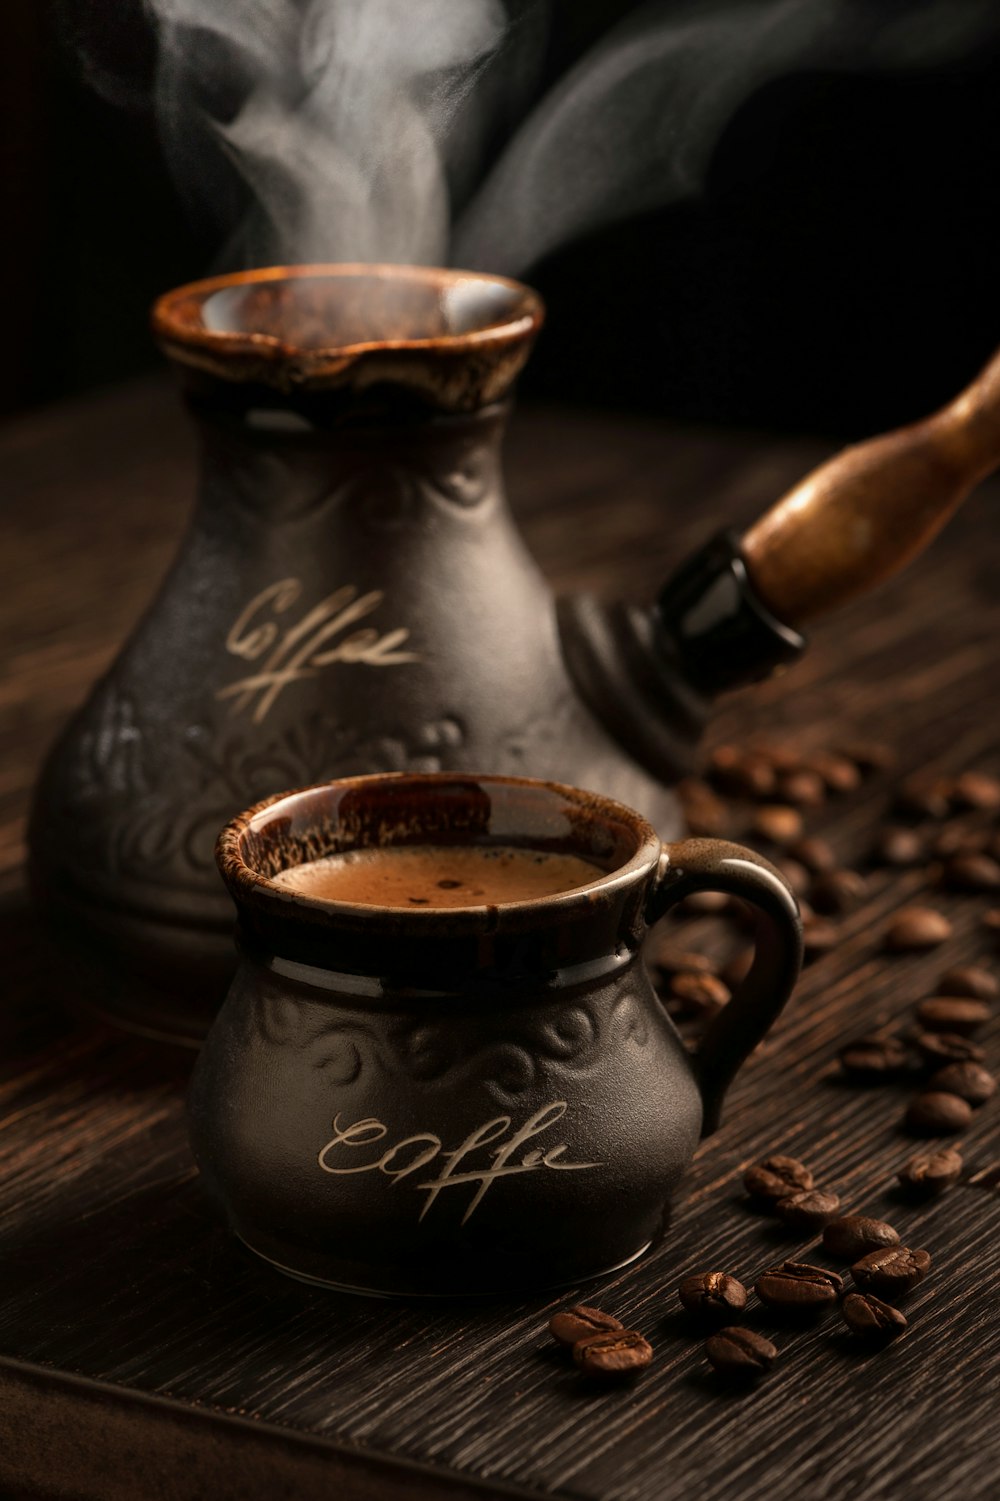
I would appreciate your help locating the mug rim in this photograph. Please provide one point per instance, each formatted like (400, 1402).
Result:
(250, 885)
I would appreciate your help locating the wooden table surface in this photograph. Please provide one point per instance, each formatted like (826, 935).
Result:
(142, 1355)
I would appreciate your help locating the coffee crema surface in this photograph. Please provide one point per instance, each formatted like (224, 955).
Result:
(431, 875)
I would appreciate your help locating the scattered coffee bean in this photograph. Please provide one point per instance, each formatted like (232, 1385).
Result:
(619, 1354)
(815, 854)
(739, 1353)
(856, 1235)
(970, 1081)
(741, 774)
(796, 1286)
(948, 1013)
(782, 757)
(803, 789)
(972, 872)
(898, 847)
(704, 812)
(839, 774)
(705, 903)
(931, 1173)
(777, 823)
(671, 961)
(935, 1113)
(991, 920)
(873, 1059)
(808, 1210)
(954, 841)
(701, 992)
(870, 756)
(736, 969)
(970, 980)
(921, 797)
(936, 1048)
(775, 1177)
(796, 875)
(818, 937)
(837, 891)
(895, 1269)
(568, 1325)
(868, 1316)
(917, 928)
(713, 1294)
(975, 791)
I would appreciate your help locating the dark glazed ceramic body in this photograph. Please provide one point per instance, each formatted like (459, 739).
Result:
(466, 1100)
(352, 596)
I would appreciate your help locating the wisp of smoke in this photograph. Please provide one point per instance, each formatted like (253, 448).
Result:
(347, 129)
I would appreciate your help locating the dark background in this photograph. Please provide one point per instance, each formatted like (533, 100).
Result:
(838, 274)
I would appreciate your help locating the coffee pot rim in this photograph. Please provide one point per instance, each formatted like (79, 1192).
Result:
(494, 323)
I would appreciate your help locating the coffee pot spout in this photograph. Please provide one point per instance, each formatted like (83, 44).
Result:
(733, 613)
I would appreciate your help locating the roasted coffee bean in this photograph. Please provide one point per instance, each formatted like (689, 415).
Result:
(741, 773)
(970, 1081)
(619, 1354)
(868, 1316)
(895, 1269)
(808, 1210)
(775, 1177)
(936, 1048)
(954, 841)
(870, 756)
(917, 928)
(782, 757)
(713, 1294)
(702, 993)
(736, 969)
(777, 823)
(796, 1286)
(952, 1013)
(803, 789)
(898, 847)
(931, 1173)
(840, 775)
(970, 980)
(704, 812)
(856, 1235)
(972, 872)
(921, 797)
(673, 961)
(873, 1059)
(837, 891)
(705, 903)
(818, 937)
(976, 791)
(815, 854)
(935, 1113)
(739, 1353)
(578, 1322)
(991, 920)
(796, 875)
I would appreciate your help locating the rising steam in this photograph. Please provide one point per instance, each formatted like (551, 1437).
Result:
(354, 129)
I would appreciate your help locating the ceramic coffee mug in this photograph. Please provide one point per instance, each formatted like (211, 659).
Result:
(475, 1099)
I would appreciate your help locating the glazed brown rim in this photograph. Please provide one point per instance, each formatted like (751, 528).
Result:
(648, 855)
(185, 339)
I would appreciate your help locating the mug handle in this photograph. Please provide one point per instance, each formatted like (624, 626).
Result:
(716, 865)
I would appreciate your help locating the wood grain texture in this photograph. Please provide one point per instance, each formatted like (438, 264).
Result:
(142, 1353)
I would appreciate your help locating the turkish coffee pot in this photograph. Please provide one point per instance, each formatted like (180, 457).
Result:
(352, 596)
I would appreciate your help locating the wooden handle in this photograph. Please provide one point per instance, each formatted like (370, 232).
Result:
(862, 515)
